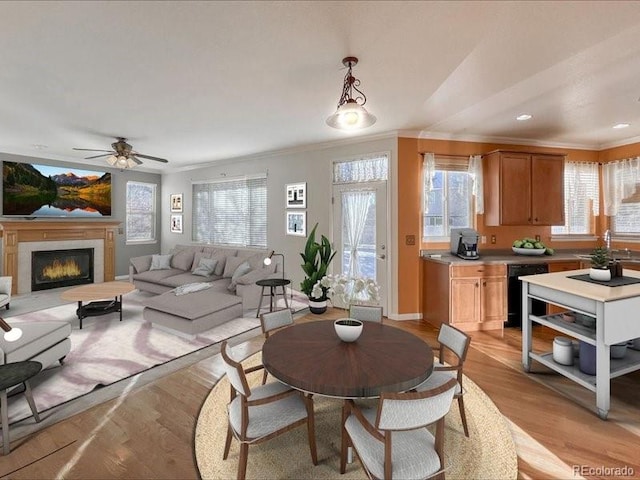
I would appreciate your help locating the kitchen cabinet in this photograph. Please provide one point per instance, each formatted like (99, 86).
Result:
(523, 188)
(470, 297)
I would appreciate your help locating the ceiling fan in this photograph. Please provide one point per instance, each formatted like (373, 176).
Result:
(122, 155)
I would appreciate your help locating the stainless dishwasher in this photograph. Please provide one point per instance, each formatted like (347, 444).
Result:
(514, 292)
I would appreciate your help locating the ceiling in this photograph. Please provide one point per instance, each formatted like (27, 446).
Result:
(205, 81)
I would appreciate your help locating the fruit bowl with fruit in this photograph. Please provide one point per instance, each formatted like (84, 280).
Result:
(531, 246)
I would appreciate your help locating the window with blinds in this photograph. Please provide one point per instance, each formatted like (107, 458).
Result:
(447, 196)
(140, 212)
(231, 212)
(581, 199)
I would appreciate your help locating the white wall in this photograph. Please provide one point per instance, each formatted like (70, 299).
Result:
(313, 166)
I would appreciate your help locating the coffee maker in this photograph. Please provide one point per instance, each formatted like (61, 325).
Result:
(464, 243)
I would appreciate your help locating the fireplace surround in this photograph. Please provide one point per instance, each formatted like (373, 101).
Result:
(21, 238)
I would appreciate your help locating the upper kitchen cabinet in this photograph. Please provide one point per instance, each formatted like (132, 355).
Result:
(523, 188)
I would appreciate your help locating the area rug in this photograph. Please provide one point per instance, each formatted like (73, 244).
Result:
(489, 452)
(107, 350)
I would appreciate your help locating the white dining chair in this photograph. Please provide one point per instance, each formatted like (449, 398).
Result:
(366, 313)
(260, 413)
(456, 341)
(391, 440)
(272, 321)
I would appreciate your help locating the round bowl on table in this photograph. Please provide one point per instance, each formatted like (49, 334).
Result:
(528, 251)
(348, 329)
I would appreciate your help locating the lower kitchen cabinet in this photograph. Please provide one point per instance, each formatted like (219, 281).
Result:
(470, 297)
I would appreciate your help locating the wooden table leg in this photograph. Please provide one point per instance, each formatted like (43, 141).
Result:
(284, 294)
(260, 304)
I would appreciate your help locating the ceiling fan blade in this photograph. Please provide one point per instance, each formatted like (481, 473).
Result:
(91, 150)
(98, 156)
(137, 160)
(149, 157)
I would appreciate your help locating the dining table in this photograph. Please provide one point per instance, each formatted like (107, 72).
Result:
(312, 358)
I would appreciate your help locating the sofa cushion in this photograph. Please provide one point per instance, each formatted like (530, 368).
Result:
(183, 259)
(182, 278)
(36, 338)
(254, 275)
(257, 260)
(192, 305)
(231, 266)
(242, 269)
(206, 267)
(221, 256)
(141, 264)
(160, 262)
(157, 276)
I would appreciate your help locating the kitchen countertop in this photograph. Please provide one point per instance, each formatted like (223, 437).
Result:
(509, 257)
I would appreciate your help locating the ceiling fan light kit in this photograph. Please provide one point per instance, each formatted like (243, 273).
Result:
(122, 156)
(351, 114)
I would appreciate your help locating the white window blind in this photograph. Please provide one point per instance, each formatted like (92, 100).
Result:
(231, 212)
(581, 199)
(141, 212)
(364, 169)
(621, 181)
(447, 196)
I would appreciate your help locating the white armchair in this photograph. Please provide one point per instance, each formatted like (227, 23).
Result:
(5, 291)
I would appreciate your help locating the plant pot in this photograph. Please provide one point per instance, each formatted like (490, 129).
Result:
(317, 306)
(600, 274)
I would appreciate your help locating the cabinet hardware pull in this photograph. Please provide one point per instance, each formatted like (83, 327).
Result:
(484, 284)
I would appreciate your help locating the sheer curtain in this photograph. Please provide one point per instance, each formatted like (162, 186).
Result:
(619, 181)
(355, 207)
(475, 171)
(429, 170)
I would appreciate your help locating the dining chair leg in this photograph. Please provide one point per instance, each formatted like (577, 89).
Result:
(463, 415)
(227, 443)
(264, 377)
(242, 463)
(311, 429)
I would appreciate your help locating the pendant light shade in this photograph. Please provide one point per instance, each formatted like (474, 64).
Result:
(351, 114)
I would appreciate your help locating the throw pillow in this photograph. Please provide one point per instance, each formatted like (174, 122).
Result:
(196, 259)
(253, 276)
(242, 269)
(221, 257)
(257, 260)
(231, 264)
(160, 262)
(205, 267)
(182, 260)
(141, 264)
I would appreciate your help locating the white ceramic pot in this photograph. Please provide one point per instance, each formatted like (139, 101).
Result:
(563, 351)
(601, 275)
(348, 329)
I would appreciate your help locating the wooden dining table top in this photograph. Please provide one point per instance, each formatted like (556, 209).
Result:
(310, 357)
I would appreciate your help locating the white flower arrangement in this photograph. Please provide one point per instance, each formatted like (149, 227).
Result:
(344, 291)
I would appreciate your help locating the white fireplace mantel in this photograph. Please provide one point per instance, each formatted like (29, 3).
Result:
(20, 238)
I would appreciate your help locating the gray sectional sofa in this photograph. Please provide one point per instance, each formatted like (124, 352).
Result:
(229, 274)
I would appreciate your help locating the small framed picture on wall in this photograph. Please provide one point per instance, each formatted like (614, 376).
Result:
(176, 223)
(176, 202)
(297, 195)
(297, 223)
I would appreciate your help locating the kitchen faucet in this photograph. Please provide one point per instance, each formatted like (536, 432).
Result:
(607, 239)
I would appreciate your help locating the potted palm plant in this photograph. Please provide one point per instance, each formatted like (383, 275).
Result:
(316, 259)
(600, 265)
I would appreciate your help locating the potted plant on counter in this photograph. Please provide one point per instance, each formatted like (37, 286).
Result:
(600, 265)
(316, 259)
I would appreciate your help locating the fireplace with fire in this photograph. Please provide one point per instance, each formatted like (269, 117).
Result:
(61, 268)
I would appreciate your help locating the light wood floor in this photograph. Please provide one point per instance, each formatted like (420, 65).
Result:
(148, 431)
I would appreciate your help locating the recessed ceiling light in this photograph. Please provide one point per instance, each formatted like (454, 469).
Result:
(621, 125)
(523, 117)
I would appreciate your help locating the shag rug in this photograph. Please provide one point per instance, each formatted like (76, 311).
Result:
(488, 454)
(107, 350)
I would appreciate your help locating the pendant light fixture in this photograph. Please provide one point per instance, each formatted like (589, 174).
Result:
(351, 115)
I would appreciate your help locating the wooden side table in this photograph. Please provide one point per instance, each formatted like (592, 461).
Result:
(11, 375)
(273, 284)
